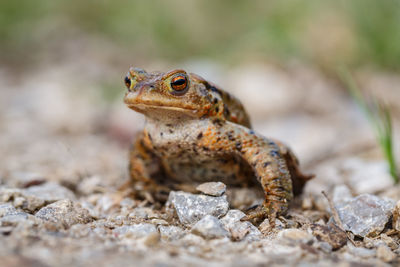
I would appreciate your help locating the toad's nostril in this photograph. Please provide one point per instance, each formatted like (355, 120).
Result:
(127, 81)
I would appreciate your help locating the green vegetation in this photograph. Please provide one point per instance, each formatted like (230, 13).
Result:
(324, 33)
(379, 116)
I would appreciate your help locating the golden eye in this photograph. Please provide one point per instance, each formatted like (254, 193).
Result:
(179, 83)
(128, 82)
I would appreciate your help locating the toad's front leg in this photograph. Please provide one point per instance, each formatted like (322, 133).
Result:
(263, 155)
(144, 168)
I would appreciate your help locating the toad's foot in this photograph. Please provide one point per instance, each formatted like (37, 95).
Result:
(261, 212)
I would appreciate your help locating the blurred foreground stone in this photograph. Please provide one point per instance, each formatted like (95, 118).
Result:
(365, 215)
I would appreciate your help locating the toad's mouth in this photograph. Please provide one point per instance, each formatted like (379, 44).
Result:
(155, 106)
(143, 106)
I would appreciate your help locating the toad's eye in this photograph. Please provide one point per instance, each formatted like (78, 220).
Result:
(179, 83)
(128, 82)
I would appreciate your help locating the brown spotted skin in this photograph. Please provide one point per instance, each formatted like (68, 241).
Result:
(196, 132)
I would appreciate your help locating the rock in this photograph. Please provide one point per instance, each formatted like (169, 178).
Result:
(385, 254)
(341, 193)
(106, 203)
(396, 217)
(50, 192)
(324, 246)
(232, 217)
(20, 199)
(387, 240)
(25, 179)
(191, 240)
(210, 227)
(265, 226)
(240, 230)
(141, 230)
(330, 234)
(290, 236)
(288, 255)
(215, 189)
(360, 251)
(366, 176)
(365, 215)
(7, 209)
(171, 233)
(307, 203)
(90, 185)
(64, 213)
(14, 219)
(35, 197)
(159, 222)
(127, 203)
(191, 208)
(142, 213)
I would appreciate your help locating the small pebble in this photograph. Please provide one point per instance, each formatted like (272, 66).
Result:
(240, 230)
(171, 233)
(7, 209)
(135, 231)
(64, 213)
(294, 235)
(210, 227)
(215, 189)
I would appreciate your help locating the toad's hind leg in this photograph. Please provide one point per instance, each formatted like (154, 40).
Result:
(265, 158)
(281, 179)
(299, 179)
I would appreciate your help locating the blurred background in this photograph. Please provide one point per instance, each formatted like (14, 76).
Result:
(230, 32)
(62, 65)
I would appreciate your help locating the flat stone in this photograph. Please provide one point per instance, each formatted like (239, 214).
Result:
(191, 208)
(141, 230)
(330, 234)
(365, 215)
(240, 230)
(215, 189)
(210, 227)
(64, 213)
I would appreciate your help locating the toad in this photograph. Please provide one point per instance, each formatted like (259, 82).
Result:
(196, 132)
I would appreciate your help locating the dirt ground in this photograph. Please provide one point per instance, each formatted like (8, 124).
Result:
(64, 153)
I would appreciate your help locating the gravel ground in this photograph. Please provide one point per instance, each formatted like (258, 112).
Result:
(64, 156)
